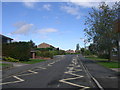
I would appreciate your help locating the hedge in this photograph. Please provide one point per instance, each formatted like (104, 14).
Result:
(17, 50)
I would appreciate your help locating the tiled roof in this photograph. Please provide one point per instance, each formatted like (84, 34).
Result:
(44, 45)
(5, 37)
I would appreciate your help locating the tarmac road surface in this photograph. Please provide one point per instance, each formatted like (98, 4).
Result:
(66, 71)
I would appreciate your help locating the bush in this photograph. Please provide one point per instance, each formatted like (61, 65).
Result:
(17, 50)
(105, 56)
(10, 59)
(45, 54)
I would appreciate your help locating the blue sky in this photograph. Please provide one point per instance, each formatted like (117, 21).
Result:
(60, 24)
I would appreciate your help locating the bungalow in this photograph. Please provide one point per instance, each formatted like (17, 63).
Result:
(5, 39)
(70, 51)
(45, 45)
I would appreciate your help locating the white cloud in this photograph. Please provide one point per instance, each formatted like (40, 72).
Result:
(72, 10)
(22, 28)
(29, 4)
(47, 6)
(47, 30)
(91, 3)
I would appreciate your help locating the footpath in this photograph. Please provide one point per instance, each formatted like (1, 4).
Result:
(106, 77)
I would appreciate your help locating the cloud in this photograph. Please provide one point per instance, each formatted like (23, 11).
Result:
(22, 28)
(72, 10)
(47, 30)
(30, 3)
(47, 7)
(91, 3)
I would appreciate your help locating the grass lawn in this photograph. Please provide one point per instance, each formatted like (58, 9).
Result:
(110, 64)
(104, 62)
(96, 58)
(32, 61)
(4, 64)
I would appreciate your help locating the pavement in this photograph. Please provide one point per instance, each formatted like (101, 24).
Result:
(63, 72)
(107, 78)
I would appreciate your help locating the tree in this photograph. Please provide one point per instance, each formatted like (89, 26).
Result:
(100, 28)
(92, 48)
(32, 44)
(77, 47)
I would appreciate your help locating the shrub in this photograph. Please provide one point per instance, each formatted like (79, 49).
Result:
(105, 56)
(17, 50)
(45, 54)
(10, 59)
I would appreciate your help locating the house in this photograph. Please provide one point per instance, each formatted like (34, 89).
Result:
(70, 51)
(5, 39)
(45, 45)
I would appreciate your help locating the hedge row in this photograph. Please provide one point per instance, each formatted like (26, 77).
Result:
(50, 53)
(17, 50)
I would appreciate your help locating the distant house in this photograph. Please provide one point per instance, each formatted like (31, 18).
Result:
(5, 39)
(70, 51)
(45, 45)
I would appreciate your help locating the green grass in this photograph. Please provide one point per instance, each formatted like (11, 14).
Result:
(32, 61)
(96, 58)
(110, 64)
(4, 64)
(104, 62)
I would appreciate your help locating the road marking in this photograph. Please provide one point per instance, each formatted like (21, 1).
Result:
(70, 71)
(73, 84)
(42, 67)
(49, 65)
(19, 80)
(86, 70)
(33, 71)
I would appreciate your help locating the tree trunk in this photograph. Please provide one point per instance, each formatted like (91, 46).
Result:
(110, 55)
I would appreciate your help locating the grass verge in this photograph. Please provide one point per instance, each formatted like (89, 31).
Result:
(32, 61)
(110, 64)
(4, 64)
(96, 58)
(104, 62)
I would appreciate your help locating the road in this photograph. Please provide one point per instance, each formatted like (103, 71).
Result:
(68, 71)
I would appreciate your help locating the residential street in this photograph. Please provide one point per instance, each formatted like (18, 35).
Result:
(66, 71)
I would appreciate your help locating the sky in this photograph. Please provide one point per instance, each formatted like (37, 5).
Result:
(60, 24)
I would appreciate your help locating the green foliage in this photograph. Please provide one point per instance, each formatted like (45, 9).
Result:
(33, 61)
(106, 56)
(45, 49)
(45, 54)
(17, 50)
(92, 49)
(85, 51)
(10, 59)
(32, 44)
(77, 47)
(50, 53)
(100, 27)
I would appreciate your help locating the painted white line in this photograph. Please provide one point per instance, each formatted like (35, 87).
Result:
(33, 71)
(73, 84)
(42, 67)
(86, 70)
(70, 71)
(19, 80)
(49, 65)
